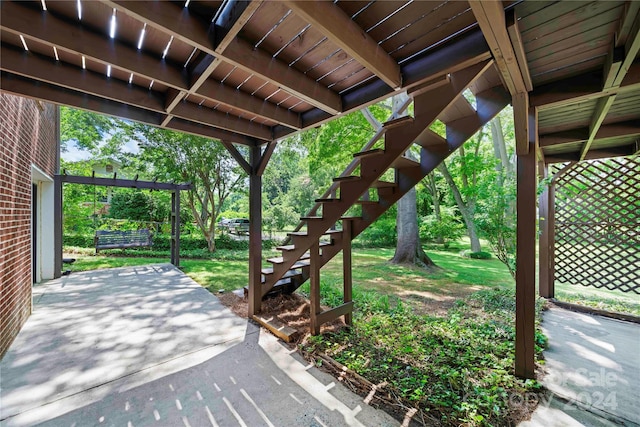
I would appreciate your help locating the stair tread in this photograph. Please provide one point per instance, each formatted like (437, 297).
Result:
(280, 260)
(290, 273)
(371, 152)
(397, 122)
(311, 218)
(346, 178)
(332, 199)
(383, 184)
(404, 162)
(292, 247)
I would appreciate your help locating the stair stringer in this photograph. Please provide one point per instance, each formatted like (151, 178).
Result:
(490, 103)
(428, 106)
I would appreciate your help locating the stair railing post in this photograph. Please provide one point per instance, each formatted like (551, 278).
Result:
(346, 267)
(314, 277)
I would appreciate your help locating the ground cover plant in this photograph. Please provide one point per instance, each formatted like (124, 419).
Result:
(456, 368)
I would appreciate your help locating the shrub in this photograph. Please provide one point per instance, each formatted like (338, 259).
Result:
(475, 255)
(448, 227)
(382, 233)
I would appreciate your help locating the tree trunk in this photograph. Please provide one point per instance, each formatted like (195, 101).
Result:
(499, 147)
(408, 249)
(465, 209)
(435, 197)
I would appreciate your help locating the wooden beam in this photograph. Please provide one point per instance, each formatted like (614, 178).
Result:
(491, 19)
(29, 88)
(525, 247)
(631, 49)
(580, 88)
(123, 183)
(338, 27)
(210, 117)
(167, 17)
(45, 69)
(241, 54)
(256, 61)
(237, 156)
(249, 104)
(518, 47)
(521, 119)
(600, 113)
(612, 66)
(50, 30)
(614, 130)
(631, 11)
(195, 128)
(266, 155)
(621, 151)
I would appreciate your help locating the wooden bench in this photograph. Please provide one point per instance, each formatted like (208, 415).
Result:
(114, 239)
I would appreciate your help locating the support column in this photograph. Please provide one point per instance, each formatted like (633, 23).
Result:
(314, 278)
(346, 267)
(546, 206)
(526, 135)
(255, 232)
(57, 224)
(175, 228)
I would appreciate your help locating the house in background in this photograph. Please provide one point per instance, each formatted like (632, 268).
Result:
(29, 159)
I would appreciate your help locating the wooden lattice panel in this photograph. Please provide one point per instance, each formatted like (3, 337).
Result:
(597, 224)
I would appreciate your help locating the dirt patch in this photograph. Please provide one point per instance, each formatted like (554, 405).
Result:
(292, 310)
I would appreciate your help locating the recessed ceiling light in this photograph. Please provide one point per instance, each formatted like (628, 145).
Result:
(109, 70)
(166, 49)
(55, 52)
(44, 5)
(112, 26)
(141, 38)
(79, 6)
(24, 43)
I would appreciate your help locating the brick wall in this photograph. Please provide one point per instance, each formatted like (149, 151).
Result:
(28, 135)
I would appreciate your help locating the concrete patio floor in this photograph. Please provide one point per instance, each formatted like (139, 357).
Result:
(148, 346)
(593, 371)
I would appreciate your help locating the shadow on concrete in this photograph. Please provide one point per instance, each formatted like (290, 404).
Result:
(147, 345)
(593, 371)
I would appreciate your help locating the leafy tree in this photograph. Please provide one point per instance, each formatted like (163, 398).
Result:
(203, 162)
(88, 130)
(442, 228)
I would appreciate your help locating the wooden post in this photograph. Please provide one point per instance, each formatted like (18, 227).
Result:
(346, 267)
(57, 224)
(176, 234)
(173, 228)
(255, 232)
(526, 241)
(314, 278)
(547, 237)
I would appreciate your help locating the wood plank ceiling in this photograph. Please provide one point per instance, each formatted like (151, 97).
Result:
(250, 72)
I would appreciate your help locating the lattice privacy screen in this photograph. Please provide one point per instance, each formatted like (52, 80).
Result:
(597, 224)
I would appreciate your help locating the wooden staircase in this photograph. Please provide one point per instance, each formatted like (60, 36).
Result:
(309, 250)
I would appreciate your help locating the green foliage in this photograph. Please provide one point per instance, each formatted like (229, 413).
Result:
(497, 223)
(448, 228)
(475, 255)
(456, 368)
(381, 234)
(135, 205)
